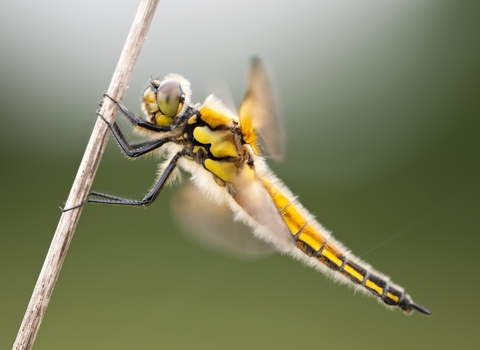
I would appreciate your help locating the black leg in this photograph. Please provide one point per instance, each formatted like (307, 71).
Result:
(137, 121)
(137, 149)
(146, 201)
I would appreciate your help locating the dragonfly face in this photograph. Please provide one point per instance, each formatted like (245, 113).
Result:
(225, 155)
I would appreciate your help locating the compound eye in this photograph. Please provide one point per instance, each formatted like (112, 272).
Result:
(170, 97)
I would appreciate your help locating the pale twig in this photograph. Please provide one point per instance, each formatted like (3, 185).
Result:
(86, 172)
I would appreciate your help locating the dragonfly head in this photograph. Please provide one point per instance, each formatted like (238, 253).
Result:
(164, 100)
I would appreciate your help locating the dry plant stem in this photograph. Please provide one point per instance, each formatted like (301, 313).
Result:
(86, 172)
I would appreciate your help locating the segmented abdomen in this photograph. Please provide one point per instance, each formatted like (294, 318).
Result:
(310, 240)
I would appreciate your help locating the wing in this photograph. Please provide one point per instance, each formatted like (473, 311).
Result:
(258, 117)
(211, 225)
(253, 204)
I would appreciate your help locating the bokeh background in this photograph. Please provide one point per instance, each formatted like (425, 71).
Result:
(380, 102)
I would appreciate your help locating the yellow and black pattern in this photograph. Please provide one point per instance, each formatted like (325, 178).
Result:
(215, 147)
(313, 243)
(214, 140)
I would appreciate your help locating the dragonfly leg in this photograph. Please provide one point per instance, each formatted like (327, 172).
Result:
(137, 121)
(98, 197)
(133, 150)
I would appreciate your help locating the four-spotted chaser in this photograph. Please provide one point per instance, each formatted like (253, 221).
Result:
(225, 154)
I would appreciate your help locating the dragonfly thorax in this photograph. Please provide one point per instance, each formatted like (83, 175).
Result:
(212, 137)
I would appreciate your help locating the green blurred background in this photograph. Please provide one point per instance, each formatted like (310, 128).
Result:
(380, 101)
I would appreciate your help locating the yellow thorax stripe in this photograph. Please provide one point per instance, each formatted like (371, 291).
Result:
(221, 141)
(214, 118)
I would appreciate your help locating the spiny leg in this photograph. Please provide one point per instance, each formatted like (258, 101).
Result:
(137, 121)
(133, 150)
(103, 198)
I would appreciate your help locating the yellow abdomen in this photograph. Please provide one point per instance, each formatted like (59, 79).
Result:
(315, 243)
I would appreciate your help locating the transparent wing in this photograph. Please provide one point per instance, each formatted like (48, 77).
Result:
(263, 216)
(258, 116)
(212, 225)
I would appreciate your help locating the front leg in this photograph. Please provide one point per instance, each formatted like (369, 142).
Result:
(137, 121)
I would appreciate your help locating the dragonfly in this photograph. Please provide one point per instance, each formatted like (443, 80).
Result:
(225, 153)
